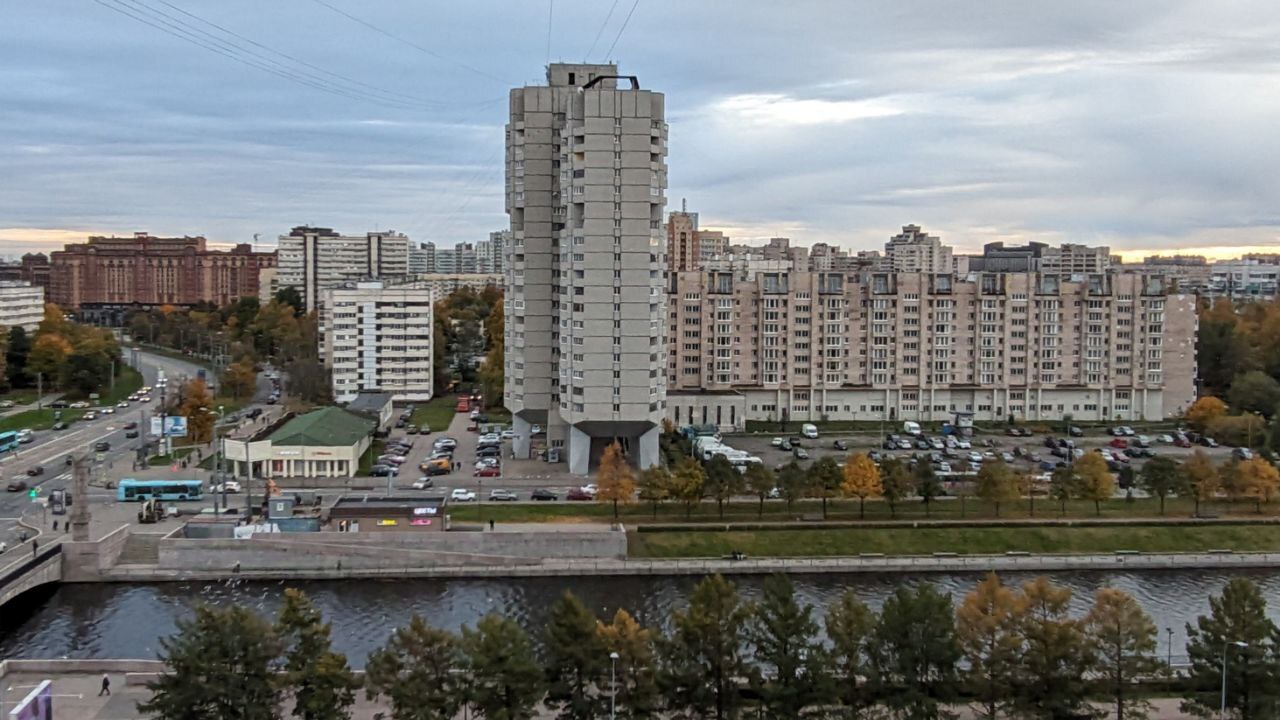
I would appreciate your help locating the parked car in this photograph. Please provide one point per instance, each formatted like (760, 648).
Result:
(963, 444)
(1142, 441)
(400, 422)
(1119, 442)
(1181, 441)
(800, 454)
(423, 482)
(1074, 431)
(502, 496)
(389, 459)
(922, 443)
(445, 443)
(785, 446)
(1047, 466)
(776, 442)
(903, 444)
(1167, 439)
(491, 451)
(1208, 442)
(590, 489)
(840, 445)
(576, 494)
(462, 495)
(383, 470)
(489, 471)
(974, 457)
(508, 435)
(411, 429)
(6, 404)
(59, 404)
(1140, 452)
(1241, 453)
(490, 439)
(543, 495)
(936, 444)
(487, 462)
(1007, 457)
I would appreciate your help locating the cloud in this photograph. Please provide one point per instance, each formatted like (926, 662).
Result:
(780, 111)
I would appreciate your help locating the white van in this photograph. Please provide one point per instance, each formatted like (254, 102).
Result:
(809, 430)
(911, 428)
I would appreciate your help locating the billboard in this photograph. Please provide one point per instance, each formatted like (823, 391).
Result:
(37, 705)
(174, 426)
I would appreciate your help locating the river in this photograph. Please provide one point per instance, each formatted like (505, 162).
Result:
(126, 621)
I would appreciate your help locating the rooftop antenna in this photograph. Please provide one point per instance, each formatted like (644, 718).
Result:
(684, 205)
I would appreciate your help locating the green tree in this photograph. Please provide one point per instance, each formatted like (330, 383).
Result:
(217, 667)
(308, 380)
(1254, 391)
(290, 296)
(792, 678)
(824, 482)
(1221, 350)
(723, 481)
(849, 627)
(988, 629)
(997, 483)
(1123, 639)
(1236, 627)
(576, 660)
(1096, 482)
(760, 482)
(913, 653)
(1162, 477)
(635, 669)
(504, 677)
(417, 670)
(322, 684)
(703, 659)
(793, 483)
(654, 484)
(492, 374)
(896, 482)
(84, 373)
(1051, 681)
(15, 358)
(1062, 486)
(48, 355)
(928, 486)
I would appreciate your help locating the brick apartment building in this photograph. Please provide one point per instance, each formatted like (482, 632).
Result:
(109, 274)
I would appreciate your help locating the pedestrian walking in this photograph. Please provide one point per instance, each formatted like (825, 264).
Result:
(35, 545)
(491, 524)
(55, 525)
(106, 685)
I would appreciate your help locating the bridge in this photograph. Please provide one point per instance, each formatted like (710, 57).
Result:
(26, 572)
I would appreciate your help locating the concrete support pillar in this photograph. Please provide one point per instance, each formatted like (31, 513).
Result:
(579, 447)
(520, 445)
(648, 454)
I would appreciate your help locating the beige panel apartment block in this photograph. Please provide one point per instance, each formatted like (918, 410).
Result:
(586, 185)
(378, 338)
(923, 346)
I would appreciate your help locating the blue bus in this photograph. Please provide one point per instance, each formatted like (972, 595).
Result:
(131, 490)
(8, 440)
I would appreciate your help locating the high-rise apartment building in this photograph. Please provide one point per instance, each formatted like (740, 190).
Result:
(586, 185)
(879, 345)
(489, 252)
(689, 246)
(422, 259)
(313, 259)
(914, 250)
(21, 304)
(377, 338)
(459, 259)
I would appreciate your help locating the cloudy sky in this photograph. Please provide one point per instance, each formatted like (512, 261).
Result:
(1141, 125)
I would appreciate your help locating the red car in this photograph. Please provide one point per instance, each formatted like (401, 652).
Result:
(1119, 443)
(131, 426)
(489, 471)
(1181, 441)
(578, 494)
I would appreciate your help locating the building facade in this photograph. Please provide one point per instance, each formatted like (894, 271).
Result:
(457, 260)
(689, 246)
(920, 346)
(489, 252)
(106, 274)
(586, 180)
(377, 338)
(914, 250)
(312, 259)
(21, 304)
(1248, 278)
(422, 259)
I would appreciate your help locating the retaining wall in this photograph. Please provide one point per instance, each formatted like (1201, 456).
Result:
(86, 561)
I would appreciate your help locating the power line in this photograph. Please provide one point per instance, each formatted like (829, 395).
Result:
(621, 30)
(600, 32)
(397, 38)
(551, 11)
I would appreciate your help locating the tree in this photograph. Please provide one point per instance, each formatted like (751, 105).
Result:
(761, 482)
(15, 357)
(1239, 615)
(1258, 479)
(84, 372)
(615, 481)
(417, 671)
(635, 670)
(1254, 391)
(1057, 656)
(1123, 639)
(997, 484)
(1162, 476)
(197, 408)
(576, 660)
(217, 667)
(1063, 484)
(896, 482)
(308, 380)
(793, 483)
(928, 486)
(492, 374)
(849, 626)
(290, 296)
(861, 480)
(503, 674)
(824, 481)
(1273, 435)
(990, 638)
(654, 483)
(323, 685)
(47, 356)
(704, 658)
(1222, 348)
(239, 380)
(1204, 411)
(688, 480)
(1096, 482)
(913, 653)
(785, 639)
(723, 481)
(1202, 476)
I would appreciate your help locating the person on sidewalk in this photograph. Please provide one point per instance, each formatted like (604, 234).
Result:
(35, 545)
(106, 685)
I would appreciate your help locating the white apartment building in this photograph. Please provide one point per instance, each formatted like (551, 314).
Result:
(804, 345)
(442, 285)
(459, 259)
(312, 259)
(489, 252)
(914, 250)
(21, 304)
(1247, 278)
(586, 185)
(377, 338)
(422, 259)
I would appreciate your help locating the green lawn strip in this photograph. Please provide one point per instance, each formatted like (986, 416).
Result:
(20, 397)
(963, 540)
(436, 413)
(177, 454)
(38, 419)
(376, 448)
(127, 383)
(877, 511)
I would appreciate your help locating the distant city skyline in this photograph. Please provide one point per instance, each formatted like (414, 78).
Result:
(1099, 124)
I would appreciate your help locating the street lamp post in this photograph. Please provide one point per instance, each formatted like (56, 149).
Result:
(1169, 662)
(1225, 648)
(613, 686)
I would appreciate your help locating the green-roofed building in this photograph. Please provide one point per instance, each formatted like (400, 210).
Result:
(326, 442)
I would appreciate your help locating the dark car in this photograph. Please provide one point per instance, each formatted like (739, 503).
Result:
(577, 494)
(59, 404)
(840, 445)
(131, 425)
(16, 485)
(923, 444)
(383, 470)
(1074, 431)
(101, 446)
(131, 434)
(401, 422)
(59, 426)
(543, 494)
(489, 451)
(1050, 443)
(36, 471)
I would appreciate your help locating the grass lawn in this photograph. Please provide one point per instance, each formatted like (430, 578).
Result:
(38, 419)
(376, 448)
(19, 397)
(127, 383)
(925, 541)
(436, 413)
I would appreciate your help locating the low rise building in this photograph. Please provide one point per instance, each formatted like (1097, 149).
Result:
(377, 338)
(326, 442)
(21, 304)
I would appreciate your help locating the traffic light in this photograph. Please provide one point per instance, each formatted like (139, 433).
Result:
(32, 493)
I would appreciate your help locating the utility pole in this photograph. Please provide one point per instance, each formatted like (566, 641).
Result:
(164, 434)
(248, 482)
(40, 391)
